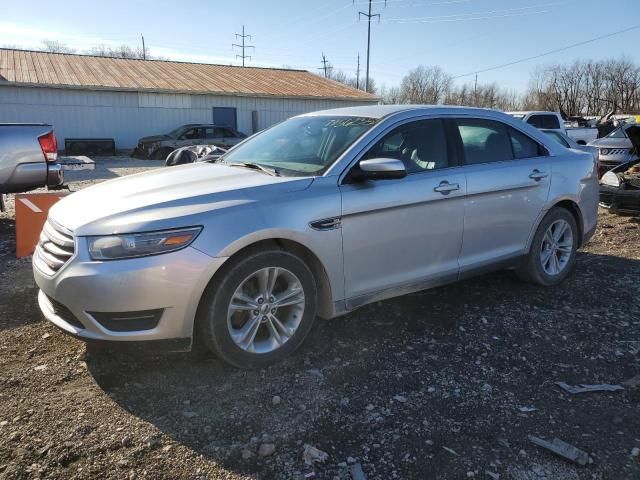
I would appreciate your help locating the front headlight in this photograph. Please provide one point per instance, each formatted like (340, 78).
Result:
(113, 247)
(604, 151)
(610, 179)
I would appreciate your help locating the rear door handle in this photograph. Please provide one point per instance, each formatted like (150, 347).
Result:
(537, 175)
(445, 187)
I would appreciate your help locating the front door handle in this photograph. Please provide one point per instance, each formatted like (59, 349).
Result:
(537, 175)
(445, 187)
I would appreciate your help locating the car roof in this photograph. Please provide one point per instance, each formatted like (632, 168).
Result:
(381, 111)
(528, 112)
(204, 125)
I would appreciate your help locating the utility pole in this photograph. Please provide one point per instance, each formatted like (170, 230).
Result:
(325, 65)
(144, 50)
(475, 91)
(358, 73)
(369, 17)
(242, 45)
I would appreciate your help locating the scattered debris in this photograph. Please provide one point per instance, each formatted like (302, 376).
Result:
(635, 452)
(312, 454)
(633, 382)
(356, 472)
(495, 476)
(450, 450)
(247, 454)
(527, 409)
(582, 388)
(400, 398)
(266, 449)
(45, 336)
(563, 449)
(276, 400)
(39, 368)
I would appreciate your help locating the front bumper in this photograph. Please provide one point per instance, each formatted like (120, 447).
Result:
(620, 200)
(83, 292)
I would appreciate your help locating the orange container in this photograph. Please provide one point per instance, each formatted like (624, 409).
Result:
(31, 213)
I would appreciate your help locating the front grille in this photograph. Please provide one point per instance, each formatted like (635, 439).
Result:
(614, 151)
(55, 248)
(64, 313)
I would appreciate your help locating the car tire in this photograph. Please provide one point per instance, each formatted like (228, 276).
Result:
(244, 333)
(553, 249)
(162, 153)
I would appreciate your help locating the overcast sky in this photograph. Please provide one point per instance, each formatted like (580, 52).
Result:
(461, 36)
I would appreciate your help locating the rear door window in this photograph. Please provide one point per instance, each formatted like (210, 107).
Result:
(544, 121)
(523, 146)
(484, 141)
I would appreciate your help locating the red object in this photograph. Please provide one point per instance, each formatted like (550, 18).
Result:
(49, 146)
(31, 213)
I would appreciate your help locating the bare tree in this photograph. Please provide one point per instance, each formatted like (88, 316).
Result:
(425, 85)
(122, 51)
(55, 46)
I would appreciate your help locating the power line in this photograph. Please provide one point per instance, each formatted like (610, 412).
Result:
(369, 17)
(456, 16)
(550, 52)
(242, 45)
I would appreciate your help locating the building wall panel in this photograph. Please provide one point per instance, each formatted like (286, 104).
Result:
(128, 116)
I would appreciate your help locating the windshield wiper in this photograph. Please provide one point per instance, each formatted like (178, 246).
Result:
(256, 166)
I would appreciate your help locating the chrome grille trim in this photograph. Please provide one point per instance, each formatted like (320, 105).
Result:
(615, 151)
(55, 248)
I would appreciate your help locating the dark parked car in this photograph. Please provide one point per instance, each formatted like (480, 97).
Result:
(620, 187)
(159, 147)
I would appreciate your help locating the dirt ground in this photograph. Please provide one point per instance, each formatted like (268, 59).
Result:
(442, 384)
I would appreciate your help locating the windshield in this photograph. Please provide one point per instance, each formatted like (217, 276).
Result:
(177, 132)
(619, 132)
(301, 146)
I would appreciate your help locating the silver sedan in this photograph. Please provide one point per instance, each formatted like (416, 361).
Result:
(316, 216)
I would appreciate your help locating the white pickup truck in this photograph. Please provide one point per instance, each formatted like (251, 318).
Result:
(554, 121)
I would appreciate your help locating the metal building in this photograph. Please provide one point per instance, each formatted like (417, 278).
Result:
(84, 96)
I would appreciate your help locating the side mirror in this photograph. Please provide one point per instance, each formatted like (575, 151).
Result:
(380, 169)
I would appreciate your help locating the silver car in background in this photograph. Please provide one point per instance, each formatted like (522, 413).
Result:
(316, 216)
(615, 149)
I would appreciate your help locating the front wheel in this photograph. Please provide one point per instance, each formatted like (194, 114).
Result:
(553, 250)
(260, 311)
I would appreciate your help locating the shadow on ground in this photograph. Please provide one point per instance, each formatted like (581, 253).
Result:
(404, 378)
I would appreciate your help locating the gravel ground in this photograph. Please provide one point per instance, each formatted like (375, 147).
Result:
(443, 384)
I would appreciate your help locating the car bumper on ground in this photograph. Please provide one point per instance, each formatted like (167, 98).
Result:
(619, 200)
(147, 299)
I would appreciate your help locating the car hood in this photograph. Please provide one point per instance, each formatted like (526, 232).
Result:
(154, 138)
(167, 198)
(611, 143)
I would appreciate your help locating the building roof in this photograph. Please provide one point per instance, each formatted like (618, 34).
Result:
(58, 70)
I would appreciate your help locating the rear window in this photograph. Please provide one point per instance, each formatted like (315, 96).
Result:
(544, 121)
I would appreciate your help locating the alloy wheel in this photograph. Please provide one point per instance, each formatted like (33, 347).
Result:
(265, 310)
(557, 247)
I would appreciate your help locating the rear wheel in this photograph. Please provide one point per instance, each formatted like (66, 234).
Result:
(260, 311)
(553, 250)
(162, 153)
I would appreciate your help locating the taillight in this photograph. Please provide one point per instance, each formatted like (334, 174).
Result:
(49, 146)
